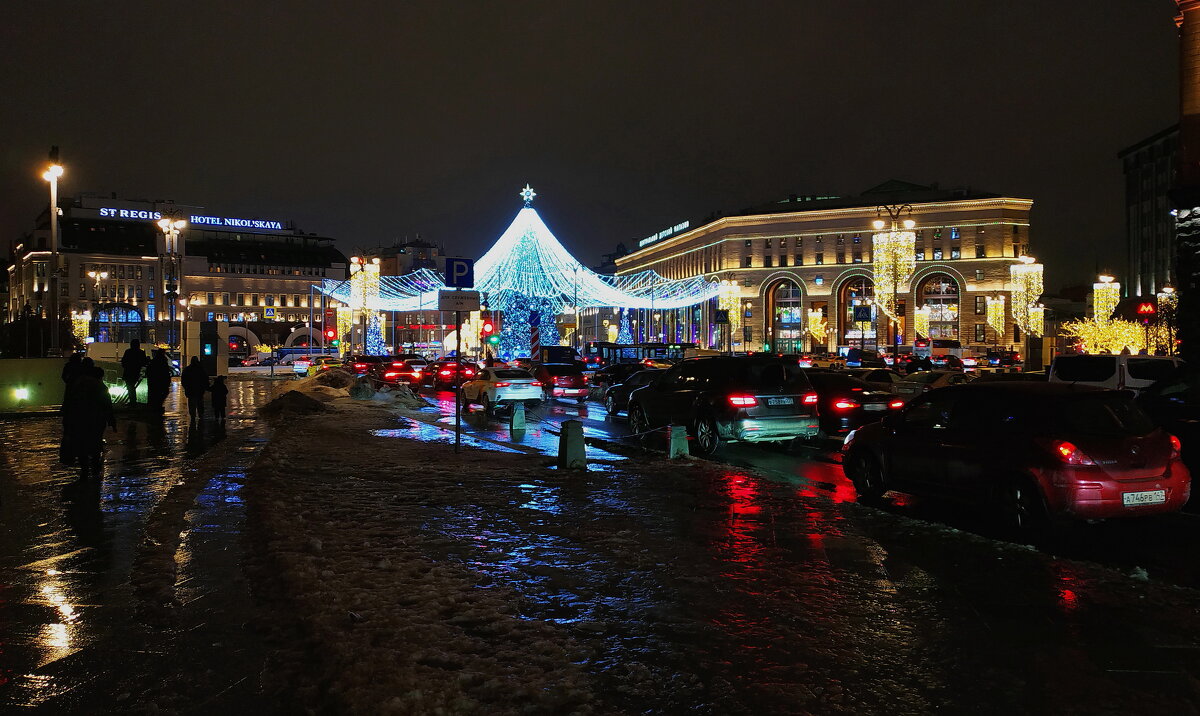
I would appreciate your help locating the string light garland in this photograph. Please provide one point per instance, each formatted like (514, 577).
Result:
(817, 326)
(80, 322)
(995, 314)
(894, 258)
(1027, 281)
(1106, 293)
(921, 321)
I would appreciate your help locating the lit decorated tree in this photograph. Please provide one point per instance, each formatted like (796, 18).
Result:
(625, 333)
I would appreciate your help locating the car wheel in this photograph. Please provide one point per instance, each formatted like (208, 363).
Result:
(705, 437)
(867, 474)
(637, 420)
(1021, 507)
(610, 404)
(486, 402)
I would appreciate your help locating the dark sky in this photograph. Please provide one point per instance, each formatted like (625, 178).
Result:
(374, 121)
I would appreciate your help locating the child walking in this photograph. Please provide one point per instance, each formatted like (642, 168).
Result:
(220, 393)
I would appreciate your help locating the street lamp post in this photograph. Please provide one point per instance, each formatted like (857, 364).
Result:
(97, 277)
(171, 277)
(51, 175)
(893, 260)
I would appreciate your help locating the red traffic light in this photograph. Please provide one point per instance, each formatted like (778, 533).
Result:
(1146, 308)
(330, 333)
(488, 328)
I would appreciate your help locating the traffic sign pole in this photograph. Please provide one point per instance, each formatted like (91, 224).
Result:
(458, 380)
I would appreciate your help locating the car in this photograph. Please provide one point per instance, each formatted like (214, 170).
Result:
(441, 374)
(845, 402)
(269, 361)
(235, 362)
(611, 375)
(397, 372)
(878, 378)
(728, 398)
(1003, 359)
(523, 363)
(300, 364)
(562, 380)
(494, 387)
(616, 397)
(1040, 453)
(252, 359)
(1121, 372)
(319, 364)
(1173, 403)
(361, 364)
(924, 381)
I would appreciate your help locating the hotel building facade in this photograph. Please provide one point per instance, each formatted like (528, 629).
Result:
(806, 262)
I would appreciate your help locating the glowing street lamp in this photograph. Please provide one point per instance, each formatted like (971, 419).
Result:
(893, 261)
(171, 274)
(51, 175)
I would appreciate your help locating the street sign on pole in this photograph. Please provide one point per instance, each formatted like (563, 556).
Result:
(862, 314)
(330, 315)
(460, 273)
(458, 301)
(721, 316)
(268, 312)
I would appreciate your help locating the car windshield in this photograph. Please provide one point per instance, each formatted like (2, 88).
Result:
(1105, 414)
(513, 374)
(1091, 369)
(771, 375)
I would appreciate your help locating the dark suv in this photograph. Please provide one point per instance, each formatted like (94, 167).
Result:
(745, 398)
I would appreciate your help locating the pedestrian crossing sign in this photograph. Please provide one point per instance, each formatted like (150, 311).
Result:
(269, 312)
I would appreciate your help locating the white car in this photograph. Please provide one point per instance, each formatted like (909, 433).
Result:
(300, 364)
(492, 387)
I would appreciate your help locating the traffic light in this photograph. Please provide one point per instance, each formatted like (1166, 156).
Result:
(331, 337)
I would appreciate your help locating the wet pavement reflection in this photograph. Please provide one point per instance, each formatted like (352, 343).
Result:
(69, 627)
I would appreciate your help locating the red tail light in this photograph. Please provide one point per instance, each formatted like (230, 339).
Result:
(743, 401)
(536, 383)
(1176, 446)
(809, 399)
(846, 404)
(585, 379)
(895, 404)
(501, 384)
(1069, 454)
(443, 372)
(391, 374)
(358, 366)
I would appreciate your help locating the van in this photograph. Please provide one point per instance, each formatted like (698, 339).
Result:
(1118, 372)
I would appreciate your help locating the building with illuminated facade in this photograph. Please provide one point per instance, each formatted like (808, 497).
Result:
(256, 272)
(793, 272)
(1149, 168)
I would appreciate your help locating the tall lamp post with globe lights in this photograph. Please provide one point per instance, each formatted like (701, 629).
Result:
(51, 175)
(171, 278)
(893, 260)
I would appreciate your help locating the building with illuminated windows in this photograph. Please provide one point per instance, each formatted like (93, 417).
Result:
(793, 272)
(249, 271)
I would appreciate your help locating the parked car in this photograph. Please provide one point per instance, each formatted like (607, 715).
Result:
(611, 375)
(1173, 403)
(926, 380)
(1036, 451)
(562, 380)
(318, 364)
(235, 362)
(397, 372)
(878, 378)
(524, 363)
(1003, 359)
(442, 374)
(411, 359)
(616, 397)
(494, 387)
(728, 398)
(845, 402)
(1010, 377)
(1121, 372)
(300, 364)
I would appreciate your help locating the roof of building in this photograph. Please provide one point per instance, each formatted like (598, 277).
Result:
(266, 252)
(1149, 141)
(892, 191)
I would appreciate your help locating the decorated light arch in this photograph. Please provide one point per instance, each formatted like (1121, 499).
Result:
(529, 276)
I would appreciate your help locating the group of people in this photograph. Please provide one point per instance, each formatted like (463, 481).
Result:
(193, 379)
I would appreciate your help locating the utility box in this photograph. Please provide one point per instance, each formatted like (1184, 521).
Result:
(206, 341)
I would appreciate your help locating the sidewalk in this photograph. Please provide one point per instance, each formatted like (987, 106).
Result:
(413, 579)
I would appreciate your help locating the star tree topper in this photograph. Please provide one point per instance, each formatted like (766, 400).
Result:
(527, 194)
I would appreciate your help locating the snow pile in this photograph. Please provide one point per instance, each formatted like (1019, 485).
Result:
(401, 396)
(334, 378)
(294, 402)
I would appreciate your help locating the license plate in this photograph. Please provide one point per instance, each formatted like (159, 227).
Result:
(1149, 497)
(779, 401)
(874, 406)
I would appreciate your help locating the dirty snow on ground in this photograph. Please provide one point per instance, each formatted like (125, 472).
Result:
(419, 580)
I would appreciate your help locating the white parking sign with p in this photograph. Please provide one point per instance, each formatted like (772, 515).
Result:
(460, 273)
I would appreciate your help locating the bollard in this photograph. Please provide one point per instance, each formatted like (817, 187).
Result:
(571, 455)
(516, 421)
(678, 446)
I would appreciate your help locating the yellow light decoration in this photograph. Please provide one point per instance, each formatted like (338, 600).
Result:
(345, 321)
(80, 322)
(728, 298)
(995, 314)
(1037, 320)
(817, 327)
(1105, 295)
(921, 321)
(1113, 335)
(1026, 278)
(894, 258)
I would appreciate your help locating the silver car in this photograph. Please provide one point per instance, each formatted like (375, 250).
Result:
(493, 387)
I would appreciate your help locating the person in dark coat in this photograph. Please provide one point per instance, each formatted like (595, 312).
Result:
(158, 380)
(195, 384)
(132, 363)
(71, 370)
(87, 409)
(220, 394)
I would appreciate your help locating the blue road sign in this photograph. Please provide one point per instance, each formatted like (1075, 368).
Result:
(862, 314)
(268, 312)
(460, 273)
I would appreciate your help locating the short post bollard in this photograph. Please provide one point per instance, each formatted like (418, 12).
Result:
(678, 445)
(516, 421)
(571, 454)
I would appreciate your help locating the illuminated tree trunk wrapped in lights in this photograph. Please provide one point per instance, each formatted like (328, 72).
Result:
(921, 321)
(894, 258)
(1026, 279)
(80, 322)
(1105, 295)
(345, 323)
(729, 299)
(625, 333)
(818, 329)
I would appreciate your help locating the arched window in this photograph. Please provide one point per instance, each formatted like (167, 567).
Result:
(787, 300)
(940, 293)
(858, 293)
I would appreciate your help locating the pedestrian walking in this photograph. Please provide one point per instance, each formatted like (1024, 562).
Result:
(87, 410)
(71, 370)
(158, 380)
(220, 393)
(132, 363)
(195, 384)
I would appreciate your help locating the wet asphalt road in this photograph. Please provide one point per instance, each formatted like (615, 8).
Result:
(81, 563)
(1165, 547)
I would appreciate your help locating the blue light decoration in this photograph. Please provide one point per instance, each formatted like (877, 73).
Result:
(625, 332)
(529, 269)
(375, 344)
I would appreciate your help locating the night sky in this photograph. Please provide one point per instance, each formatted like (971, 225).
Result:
(371, 122)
